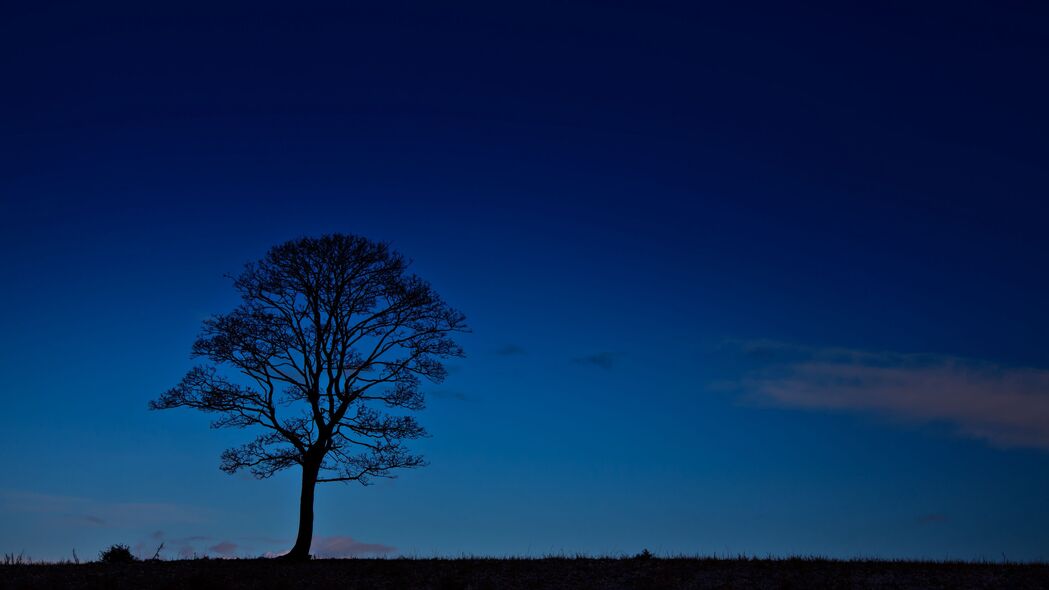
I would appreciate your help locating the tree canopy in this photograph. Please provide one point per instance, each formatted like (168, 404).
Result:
(325, 356)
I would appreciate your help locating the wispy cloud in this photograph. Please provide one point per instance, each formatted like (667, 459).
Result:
(341, 546)
(1002, 405)
(225, 548)
(605, 360)
(338, 546)
(510, 350)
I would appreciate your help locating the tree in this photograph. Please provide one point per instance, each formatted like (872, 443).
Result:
(327, 351)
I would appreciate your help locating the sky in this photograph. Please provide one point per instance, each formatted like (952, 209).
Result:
(762, 279)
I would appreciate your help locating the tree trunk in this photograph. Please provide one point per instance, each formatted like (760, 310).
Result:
(301, 550)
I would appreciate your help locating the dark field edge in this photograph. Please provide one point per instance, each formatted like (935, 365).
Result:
(22, 560)
(490, 573)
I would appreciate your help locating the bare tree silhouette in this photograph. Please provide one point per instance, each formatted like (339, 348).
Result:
(331, 332)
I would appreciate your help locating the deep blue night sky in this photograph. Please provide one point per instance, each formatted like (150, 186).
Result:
(750, 279)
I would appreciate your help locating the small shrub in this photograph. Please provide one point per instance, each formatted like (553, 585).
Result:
(644, 555)
(117, 554)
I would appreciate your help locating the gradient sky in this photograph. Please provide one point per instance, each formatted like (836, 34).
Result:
(750, 279)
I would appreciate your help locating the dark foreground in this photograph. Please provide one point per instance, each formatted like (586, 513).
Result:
(539, 574)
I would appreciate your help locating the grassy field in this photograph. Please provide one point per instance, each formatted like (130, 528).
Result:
(547, 573)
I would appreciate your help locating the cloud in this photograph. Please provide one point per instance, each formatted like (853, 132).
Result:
(510, 350)
(341, 546)
(1001, 405)
(225, 548)
(604, 360)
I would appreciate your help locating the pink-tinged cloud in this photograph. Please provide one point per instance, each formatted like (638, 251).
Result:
(1004, 406)
(340, 546)
(225, 548)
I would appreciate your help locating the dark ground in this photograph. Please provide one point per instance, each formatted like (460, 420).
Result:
(485, 574)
